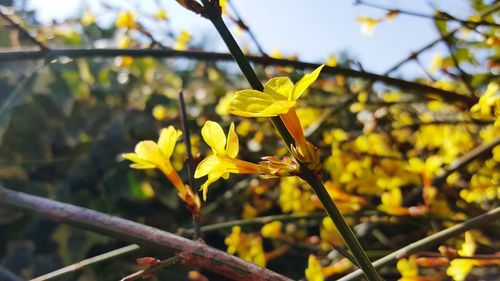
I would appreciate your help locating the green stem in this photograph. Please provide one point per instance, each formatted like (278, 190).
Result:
(330, 207)
(430, 241)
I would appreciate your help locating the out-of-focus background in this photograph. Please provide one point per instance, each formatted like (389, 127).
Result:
(392, 148)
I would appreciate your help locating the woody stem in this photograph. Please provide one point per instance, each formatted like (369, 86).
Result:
(352, 242)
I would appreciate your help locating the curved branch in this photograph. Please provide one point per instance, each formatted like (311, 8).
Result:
(190, 253)
(427, 90)
(427, 242)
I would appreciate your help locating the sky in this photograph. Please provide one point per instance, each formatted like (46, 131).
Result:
(313, 29)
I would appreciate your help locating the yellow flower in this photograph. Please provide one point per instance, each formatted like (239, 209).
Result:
(223, 160)
(87, 18)
(182, 41)
(161, 15)
(314, 271)
(126, 19)
(279, 99)
(156, 155)
(272, 229)
(460, 268)
(247, 246)
(409, 271)
(279, 96)
(392, 202)
(367, 25)
(329, 234)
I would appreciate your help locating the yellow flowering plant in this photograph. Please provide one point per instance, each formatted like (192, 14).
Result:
(279, 98)
(156, 155)
(223, 161)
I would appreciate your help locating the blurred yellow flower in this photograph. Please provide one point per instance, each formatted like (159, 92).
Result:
(161, 15)
(182, 41)
(460, 268)
(367, 25)
(313, 270)
(329, 234)
(88, 18)
(271, 230)
(247, 246)
(126, 19)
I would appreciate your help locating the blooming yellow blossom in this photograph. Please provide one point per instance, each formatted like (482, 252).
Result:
(156, 155)
(126, 19)
(314, 271)
(223, 160)
(279, 99)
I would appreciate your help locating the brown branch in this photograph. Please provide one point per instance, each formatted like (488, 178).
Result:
(426, 90)
(22, 30)
(191, 253)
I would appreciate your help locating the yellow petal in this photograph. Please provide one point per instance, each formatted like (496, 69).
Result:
(212, 177)
(279, 88)
(206, 166)
(232, 145)
(214, 136)
(139, 163)
(305, 82)
(167, 140)
(142, 166)
(149, 150)
(252, 103)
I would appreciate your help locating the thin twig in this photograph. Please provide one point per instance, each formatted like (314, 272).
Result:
(239, 21)
(190, 252)
(412, 87)
(429, 241)
(425, 254)
(150, 271)
(439, 15)
(466, 159)
(464, 76)
(84, 263)
(431, 44)
(23, 31)
(190, 162)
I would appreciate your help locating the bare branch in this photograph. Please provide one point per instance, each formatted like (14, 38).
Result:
(426, 90)
(191, 253)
